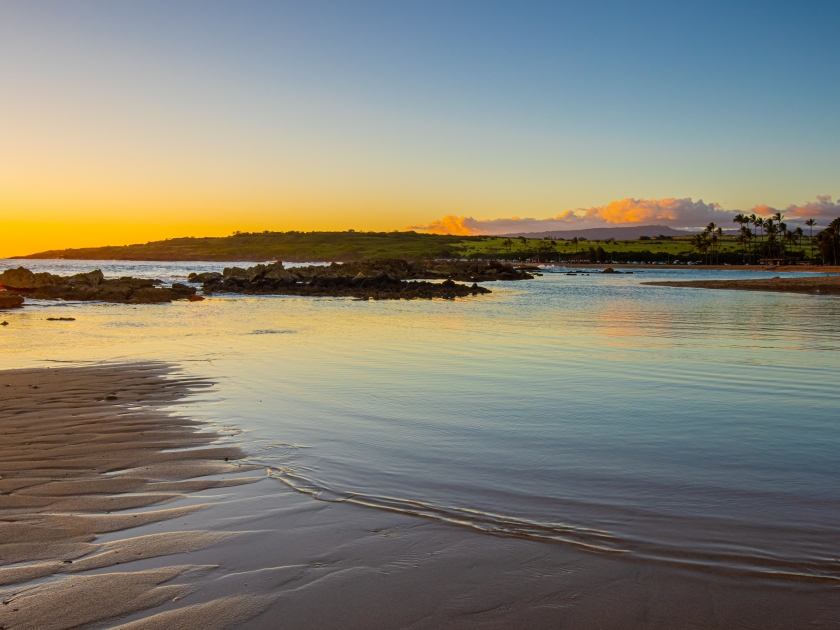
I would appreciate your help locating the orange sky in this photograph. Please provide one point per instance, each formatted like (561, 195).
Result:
(123, 122)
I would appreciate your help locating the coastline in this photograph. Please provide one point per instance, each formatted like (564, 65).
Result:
(88, 452)
(783, 269)
(246, 551)
(821, 285)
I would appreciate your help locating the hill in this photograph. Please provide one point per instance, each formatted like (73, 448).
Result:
(287, 246)
(618, 233)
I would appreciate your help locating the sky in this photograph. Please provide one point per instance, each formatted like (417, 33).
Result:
(125, 122)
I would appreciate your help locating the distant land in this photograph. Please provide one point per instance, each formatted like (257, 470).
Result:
(287, 246)
(352, 246)
(618, 233)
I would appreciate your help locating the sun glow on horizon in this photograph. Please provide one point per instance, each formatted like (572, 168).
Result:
(124, 122)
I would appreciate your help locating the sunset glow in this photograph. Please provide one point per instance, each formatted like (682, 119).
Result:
(122, 123)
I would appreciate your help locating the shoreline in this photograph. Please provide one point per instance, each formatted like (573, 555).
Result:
(784, 269)
(221, 547)
(526, 265)
(89, 453)
(821, 285)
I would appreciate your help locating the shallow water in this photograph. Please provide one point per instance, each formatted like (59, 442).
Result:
(683, 425)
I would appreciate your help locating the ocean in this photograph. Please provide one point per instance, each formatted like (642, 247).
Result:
(689, 427)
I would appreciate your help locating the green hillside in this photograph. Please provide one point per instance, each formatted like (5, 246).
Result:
(351, 246)
(289, 246)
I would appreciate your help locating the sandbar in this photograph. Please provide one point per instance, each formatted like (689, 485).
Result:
(819, 285)
(87, 451)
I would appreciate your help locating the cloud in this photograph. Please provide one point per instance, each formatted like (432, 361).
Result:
(672, 212)
(450, 224)
(467, 226)
(822, 208)
(676, 213)
(684, 213)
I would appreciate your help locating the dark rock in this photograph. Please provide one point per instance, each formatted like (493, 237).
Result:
(92, 286)
(610, 270)
(376, 279)
(472, 271)
(204, 277)
(24, 280)
(234, 272)
(10, 301)
(61, 319)
(92, 278)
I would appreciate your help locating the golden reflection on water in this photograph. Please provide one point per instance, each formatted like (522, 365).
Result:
(661, 416)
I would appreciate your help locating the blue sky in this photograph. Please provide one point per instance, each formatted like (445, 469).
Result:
(375, 115)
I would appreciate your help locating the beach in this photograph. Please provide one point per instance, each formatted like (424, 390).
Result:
(824, 285)
(569, 451)
(86, 453)
(117, 512)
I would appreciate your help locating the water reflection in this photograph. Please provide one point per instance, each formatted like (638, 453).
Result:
(685, 425)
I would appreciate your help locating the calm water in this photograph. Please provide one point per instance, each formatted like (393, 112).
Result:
(681, 425)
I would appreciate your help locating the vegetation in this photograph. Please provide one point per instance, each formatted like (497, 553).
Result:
(289, 246)
(758, 239)
(828, 241)
(769, 238)
(646, 249)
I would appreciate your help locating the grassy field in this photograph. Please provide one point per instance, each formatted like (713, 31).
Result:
(518, 246)
(289, 246)
(677, 248)
(350, 246)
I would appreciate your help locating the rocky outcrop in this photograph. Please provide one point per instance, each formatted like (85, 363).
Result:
(368, 279)
(8, 301)
(24, 280)
(274, 279)
(204, 277)
(462, 271)
(91, 286)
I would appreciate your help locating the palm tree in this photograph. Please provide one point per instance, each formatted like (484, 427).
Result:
(758, 222)
(710, 229)
(827, 240)
(699, 242)
(770, 229)
(740, 219)
(811, 223)
(790, 236)
(719, 235)
(750, 220)
(783, 232)
(798, 232)
(744, 238)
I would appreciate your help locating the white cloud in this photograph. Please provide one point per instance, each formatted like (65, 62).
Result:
(677, 213)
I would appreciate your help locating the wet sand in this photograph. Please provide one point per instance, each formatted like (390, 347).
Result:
(86, 452)
(821, 285)
(104, 523)
(784, 269)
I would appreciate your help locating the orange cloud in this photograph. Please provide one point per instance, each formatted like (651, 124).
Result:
(668, 211)
(672, 212)
(450, 224)
(676, 213)
(822, 208)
